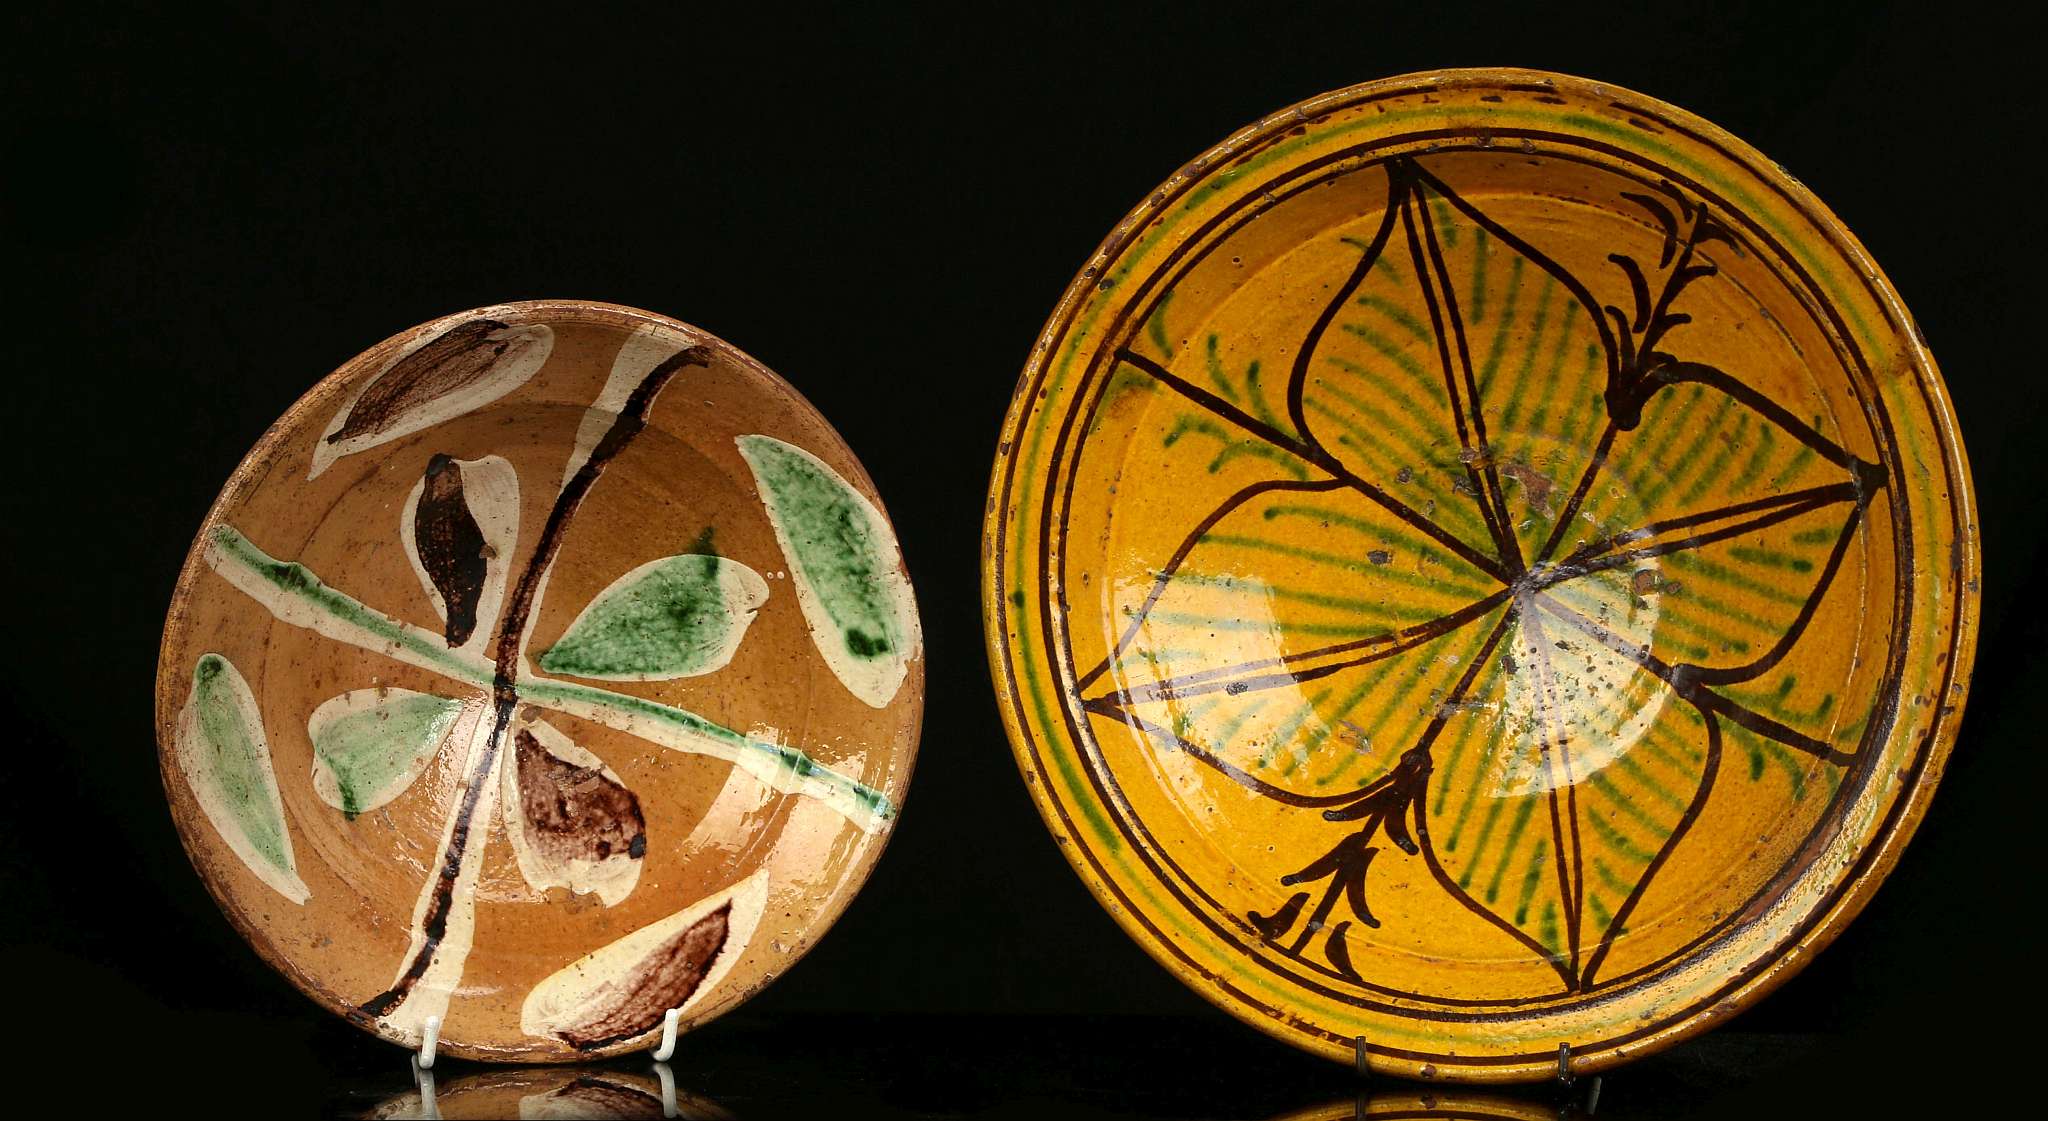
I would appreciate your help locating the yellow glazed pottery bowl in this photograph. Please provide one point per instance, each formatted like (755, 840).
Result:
(1481, 563)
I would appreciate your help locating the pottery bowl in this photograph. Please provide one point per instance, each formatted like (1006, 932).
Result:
(1480, 562)
(547, 669)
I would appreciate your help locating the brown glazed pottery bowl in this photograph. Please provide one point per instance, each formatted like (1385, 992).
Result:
(1481, 565)
(546, 668)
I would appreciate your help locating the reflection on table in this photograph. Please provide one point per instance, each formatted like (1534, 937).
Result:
(566, 1092)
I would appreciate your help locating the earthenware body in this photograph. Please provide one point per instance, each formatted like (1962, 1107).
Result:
(1478, 563)
(547, 667)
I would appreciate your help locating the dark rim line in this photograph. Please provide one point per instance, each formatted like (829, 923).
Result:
(1884, 305)
(1104, 783)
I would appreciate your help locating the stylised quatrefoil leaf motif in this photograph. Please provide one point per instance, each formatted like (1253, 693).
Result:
(674, 617)
(571, 820)
(1552, 554)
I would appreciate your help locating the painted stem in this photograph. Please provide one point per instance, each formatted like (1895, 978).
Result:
(295, 595)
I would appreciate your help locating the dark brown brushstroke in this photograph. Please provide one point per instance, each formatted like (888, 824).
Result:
(457, 357)
(451, 546)
(1297, 381)
(574, 813)
(1476, 448)
(662, 980)
(1876, 414)
(631, 418)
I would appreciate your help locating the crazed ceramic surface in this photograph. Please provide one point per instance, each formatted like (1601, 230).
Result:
(548, 666)
(1479, 562)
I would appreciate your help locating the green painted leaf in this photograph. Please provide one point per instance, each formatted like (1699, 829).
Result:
(845, 564)
(675, 617)
(226, 759)
(369, 745)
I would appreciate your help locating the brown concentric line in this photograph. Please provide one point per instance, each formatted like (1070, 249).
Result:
(1950, 461)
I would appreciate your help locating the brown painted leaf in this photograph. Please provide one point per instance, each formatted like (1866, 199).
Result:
(451, 546)
(462, 369)
(619, 993)
(459, 526)
(572, 822)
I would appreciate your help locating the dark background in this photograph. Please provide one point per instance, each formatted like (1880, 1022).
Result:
(210, 208)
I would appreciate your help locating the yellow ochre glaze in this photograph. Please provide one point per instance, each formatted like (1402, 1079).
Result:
(1481, 562)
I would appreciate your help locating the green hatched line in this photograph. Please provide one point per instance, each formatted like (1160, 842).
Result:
(1493, 811)
(1400, 316)
(1291, 726)
(1763, 750)
(1340, 561)
(1465, 514)
(1670, 473)
(1531, 880)
(1228, 732)
(1546, 930)
(1641, 776)
(1597, 406)
(1539, 420)
(1766, 439)
(1694, 566)
(1421, 448)
(1496, 732)
(1602, 917)
(1400, 698)
(1247, 586)
(1616, 840)
(1799, 462)
(1385, 263)
(1464, 521)
(1820, 535)
(1657, 419)
(1217, 375)
(1610, 880)
(1478, 301)
(1522, 379)
(1771, 558)
(1343, 709)
(1711, 473)
(1185, 719)
(1155, 325)
(1257, 393)
(1236, 624)
(1498, 346)
(1393, 538)
(1480, 688)
(1391, 351)
(1232, 447)
(1446, 222)
(1634, 809)
(1523, 812)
